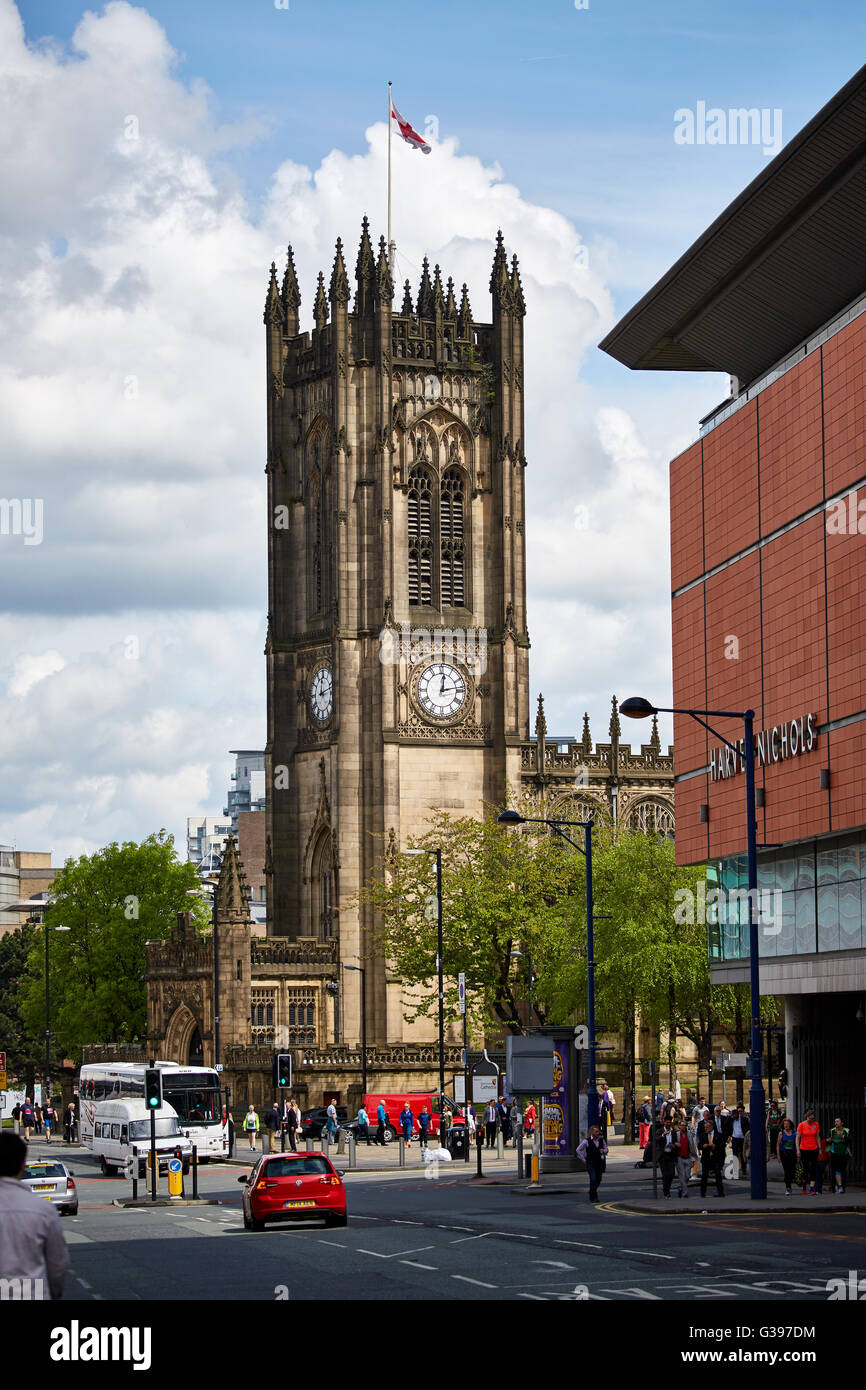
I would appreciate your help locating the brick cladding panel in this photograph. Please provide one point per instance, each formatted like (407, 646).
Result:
(689, 683)
(847, 783)
(691, 834)
(845, 406)
(846, 586)
(687, 554)
(731, 486)
(789, 414)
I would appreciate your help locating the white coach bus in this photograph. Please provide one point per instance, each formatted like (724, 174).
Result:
(193, 1092)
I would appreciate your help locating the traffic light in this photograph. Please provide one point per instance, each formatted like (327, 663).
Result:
(283, 1070)
(153, 1088)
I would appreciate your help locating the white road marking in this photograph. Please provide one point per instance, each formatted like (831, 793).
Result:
(732, 1269)
(537, 1296)
(397, 1253)
(408, 1223)
(338, 1243)
(77, 1238)
(464, 1279)
(634, 1293)
(585, 1244)
(511, 1235)
(652, 1253)
(554, 1264)
(416, 1264)
(83, 1282)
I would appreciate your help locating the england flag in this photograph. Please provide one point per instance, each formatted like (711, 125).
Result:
(409, 134)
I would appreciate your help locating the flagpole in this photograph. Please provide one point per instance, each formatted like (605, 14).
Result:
(391, 247)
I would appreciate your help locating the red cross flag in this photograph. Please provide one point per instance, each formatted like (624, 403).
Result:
(409, 134)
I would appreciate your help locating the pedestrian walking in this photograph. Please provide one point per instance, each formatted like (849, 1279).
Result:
(606, 1103)
(686, 1154)
(37, 1113)
(774, 1125)
(808, 1136)
(299, 1122)
(787, 1151)
(712, 1151)
(70, 1123)
(363, 1126)
(251, 1125)
(28, 1118)
(381, 1121)
(593, 1152)
(515, 1117)
(529, 1119)
(423, 1126)
(739, 1130)
(668, 1153)
(490, 1125)
(407, 1124)
(272, 1123)
(50, 1118)
(839, 1145)
(644, 1123)
(32, 1244)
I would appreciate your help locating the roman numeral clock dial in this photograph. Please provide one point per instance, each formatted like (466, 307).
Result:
(322, 694)
(441, 691)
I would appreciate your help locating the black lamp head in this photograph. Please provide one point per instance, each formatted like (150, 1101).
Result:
(510, 818)
(637, 708)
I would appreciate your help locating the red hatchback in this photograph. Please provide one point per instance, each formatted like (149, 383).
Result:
(293, 1187)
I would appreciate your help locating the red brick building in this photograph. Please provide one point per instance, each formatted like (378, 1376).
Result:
(768, 574)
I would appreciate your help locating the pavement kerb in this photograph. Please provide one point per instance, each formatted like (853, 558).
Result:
(144, 1203)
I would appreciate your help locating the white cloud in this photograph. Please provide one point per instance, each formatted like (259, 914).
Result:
(131, 388)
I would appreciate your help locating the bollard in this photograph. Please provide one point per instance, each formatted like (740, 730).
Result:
(326, 1144)
(283, 1139)
(500, 1144)
(478, 1148)
(402, 1142)
(309, 1146)
(341, 1142)
(194, 1172)
(519, 1154)
(266, 1141)
(135, 1174)
(352, 1151)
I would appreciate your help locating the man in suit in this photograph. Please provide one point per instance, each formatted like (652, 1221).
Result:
(739, 1130)
(711, 1146)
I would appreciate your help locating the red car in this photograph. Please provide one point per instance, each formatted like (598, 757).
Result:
(293, 1187)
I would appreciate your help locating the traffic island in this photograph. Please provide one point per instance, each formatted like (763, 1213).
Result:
(143, 1203)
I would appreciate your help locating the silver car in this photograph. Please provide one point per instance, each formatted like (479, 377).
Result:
(53, 1181)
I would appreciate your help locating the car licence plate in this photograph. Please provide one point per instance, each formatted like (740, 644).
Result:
(43, 1187)
(300, 1204)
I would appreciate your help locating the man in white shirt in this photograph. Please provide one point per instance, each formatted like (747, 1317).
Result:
(32, 1244)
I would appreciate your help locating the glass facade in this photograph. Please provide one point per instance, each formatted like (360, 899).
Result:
(811, 899)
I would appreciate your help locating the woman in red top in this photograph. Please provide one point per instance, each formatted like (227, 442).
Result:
(808, 1140)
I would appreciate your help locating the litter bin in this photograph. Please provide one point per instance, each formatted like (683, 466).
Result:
(456, 1141)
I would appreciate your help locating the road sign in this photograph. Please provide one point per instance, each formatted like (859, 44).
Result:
(726, 1061)
(175, 1165)
(218, 1066)
(461, 991)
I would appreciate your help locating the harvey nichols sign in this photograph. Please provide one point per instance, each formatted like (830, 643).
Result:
(771, 746)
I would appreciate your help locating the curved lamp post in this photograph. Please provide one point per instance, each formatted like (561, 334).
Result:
(515, 818)
(639, 708)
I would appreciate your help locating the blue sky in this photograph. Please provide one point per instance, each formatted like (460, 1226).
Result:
(147, 262)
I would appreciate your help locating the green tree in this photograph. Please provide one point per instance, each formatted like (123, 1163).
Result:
(23, 1046)
(112, 902)
(502, 891)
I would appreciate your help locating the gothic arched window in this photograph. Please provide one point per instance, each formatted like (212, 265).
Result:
(324, 889)
(452, 539)
(316, 542)
(420, 537)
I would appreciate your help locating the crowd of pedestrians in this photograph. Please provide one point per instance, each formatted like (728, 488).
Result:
(32, 1119)
(696, 1142)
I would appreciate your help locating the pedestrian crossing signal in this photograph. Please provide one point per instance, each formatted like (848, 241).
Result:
(153, 1088)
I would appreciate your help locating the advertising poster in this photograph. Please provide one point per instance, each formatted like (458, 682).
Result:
(556, 1116)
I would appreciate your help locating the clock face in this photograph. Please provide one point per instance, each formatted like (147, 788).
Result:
(441, 691)
(322, 694)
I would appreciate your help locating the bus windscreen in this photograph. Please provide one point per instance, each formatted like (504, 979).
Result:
(201, 1106)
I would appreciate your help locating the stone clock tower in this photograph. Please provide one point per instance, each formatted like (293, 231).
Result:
(397, 644)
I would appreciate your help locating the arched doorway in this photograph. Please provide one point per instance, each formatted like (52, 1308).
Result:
(196, 1050)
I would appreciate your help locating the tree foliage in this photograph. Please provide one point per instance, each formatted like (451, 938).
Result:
(23, 1045)
(112, 902)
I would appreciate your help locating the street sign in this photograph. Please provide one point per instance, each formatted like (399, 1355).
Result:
(218, 1066)
(726, 1061)
(529, 1064)
(174, 1165)
(461, 992)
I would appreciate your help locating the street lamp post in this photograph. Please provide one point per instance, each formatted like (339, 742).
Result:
(363, 973)
(639, 708)
(195, 892)
(515, 818)
(439, 971)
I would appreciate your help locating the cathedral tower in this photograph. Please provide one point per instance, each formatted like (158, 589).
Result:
(397, 644)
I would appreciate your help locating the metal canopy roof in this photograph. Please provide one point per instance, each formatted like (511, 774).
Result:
(787, 255)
